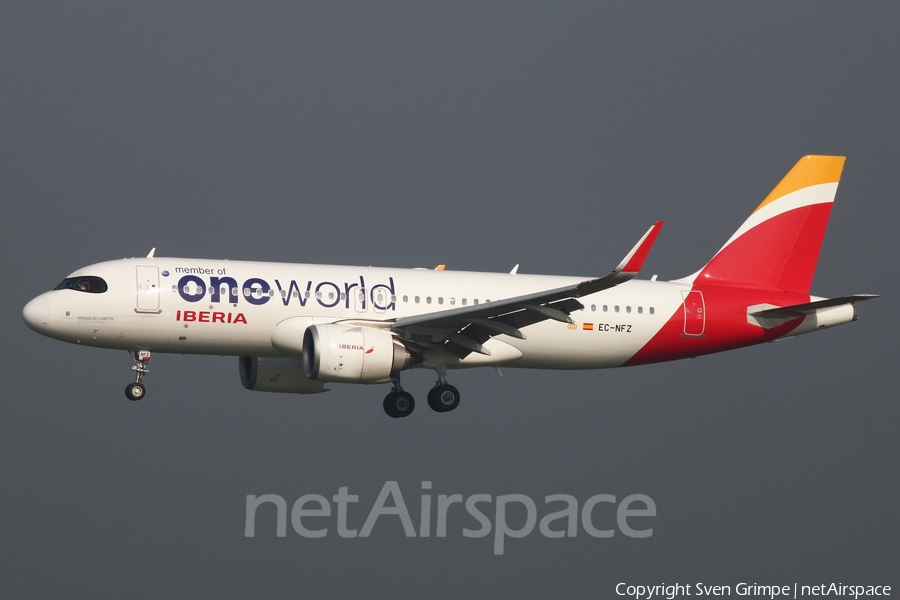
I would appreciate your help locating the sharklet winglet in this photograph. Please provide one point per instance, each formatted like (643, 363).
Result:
(634, 260)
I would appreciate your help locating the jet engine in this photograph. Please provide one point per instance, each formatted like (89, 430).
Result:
(342, 353)
(285, 375)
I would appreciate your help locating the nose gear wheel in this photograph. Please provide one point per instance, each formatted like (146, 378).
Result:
(135, 391)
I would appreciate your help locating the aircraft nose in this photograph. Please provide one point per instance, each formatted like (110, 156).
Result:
(36, 314)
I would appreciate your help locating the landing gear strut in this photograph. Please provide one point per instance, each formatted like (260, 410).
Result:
(398, 403)
(443, 397)
(135, 391)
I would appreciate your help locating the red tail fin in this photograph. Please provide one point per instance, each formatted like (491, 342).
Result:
(778, 246)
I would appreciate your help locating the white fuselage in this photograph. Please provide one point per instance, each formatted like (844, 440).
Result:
(194, 306)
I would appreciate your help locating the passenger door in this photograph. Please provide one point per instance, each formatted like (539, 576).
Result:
(148, 289)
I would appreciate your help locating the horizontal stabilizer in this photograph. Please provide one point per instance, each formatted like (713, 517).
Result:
(799, 310)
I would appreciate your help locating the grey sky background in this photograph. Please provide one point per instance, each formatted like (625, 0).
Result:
(480, 136)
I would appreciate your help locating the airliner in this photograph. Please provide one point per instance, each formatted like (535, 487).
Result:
(298, 327)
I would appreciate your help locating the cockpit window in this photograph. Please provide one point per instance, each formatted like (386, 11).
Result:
(92, 285)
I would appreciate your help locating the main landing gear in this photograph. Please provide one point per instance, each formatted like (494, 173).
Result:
(443, 397)
(135, 391)
(399, 403)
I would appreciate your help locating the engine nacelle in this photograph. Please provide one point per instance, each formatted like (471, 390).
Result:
(341, 353)
(284, 375)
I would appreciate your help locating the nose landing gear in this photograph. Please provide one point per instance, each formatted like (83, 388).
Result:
(135, 391)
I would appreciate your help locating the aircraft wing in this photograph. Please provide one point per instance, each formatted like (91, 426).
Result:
(464, 330)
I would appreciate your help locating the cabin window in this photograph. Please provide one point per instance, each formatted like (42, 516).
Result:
(593, 308)
(91, 285)
(652, 310)
(417, 299)
(640, 310)
(452, 301)
(617, 308)
(405, 299)
(464, 301)
(440, 299)
(628, 309)
(428, 299)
